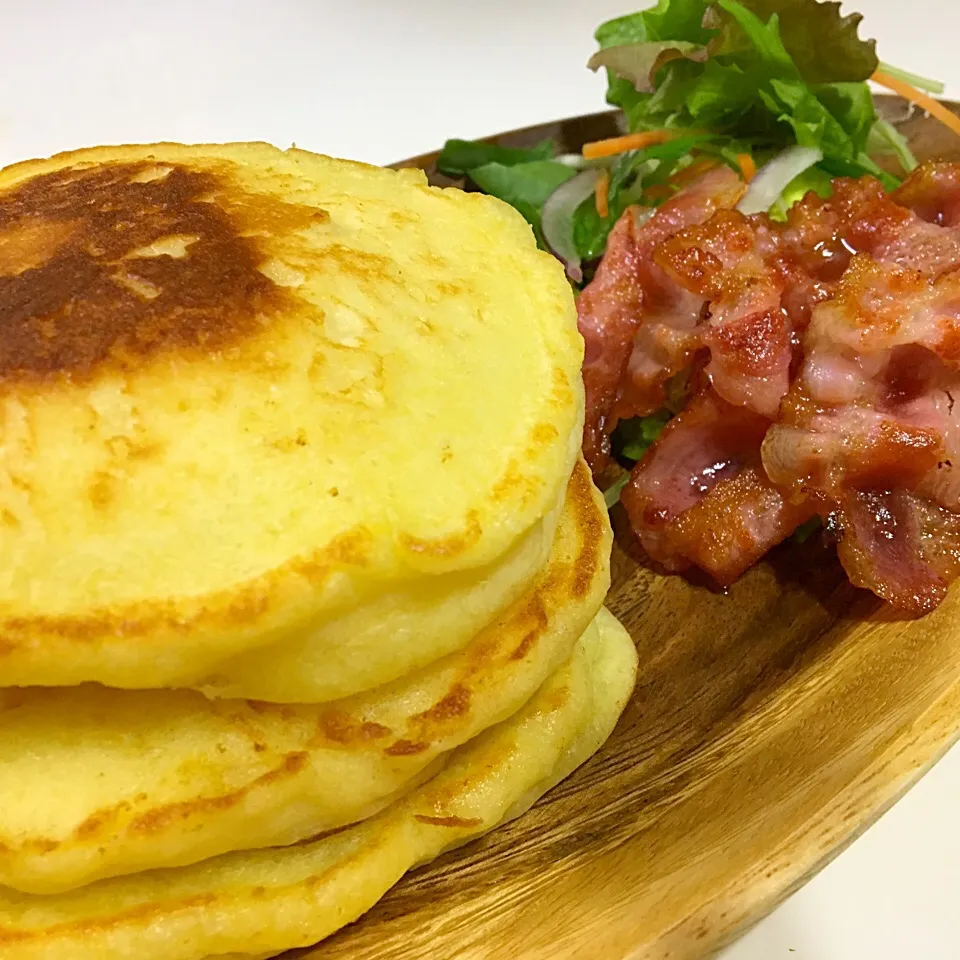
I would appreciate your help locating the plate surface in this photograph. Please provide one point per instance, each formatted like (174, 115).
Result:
(770, 726)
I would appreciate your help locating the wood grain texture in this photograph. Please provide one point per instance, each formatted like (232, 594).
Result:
(769, 727)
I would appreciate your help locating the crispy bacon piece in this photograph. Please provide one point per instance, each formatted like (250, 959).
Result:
(869, 431)
(760, 281)
(900, 546)
(726, 262)
(859, 217)
(608, 312)
(701, 497)
(741, 518)
(829, 355)
(933, 193)
(667, 338)
(635, 323)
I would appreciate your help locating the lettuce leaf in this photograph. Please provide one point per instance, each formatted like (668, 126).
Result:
(641, 62)
(632, 438)
(668, 20)
(823, 45)
(525, 186)
(779, 72)
(611, 496)
(459, 157)
(763, 51)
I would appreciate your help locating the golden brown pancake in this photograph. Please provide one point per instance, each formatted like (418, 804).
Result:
(256, 399)
(167, 778)
(302, 566)
(263, 902)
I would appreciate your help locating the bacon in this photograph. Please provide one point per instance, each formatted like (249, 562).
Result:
(639, 329)
(933, 193)
(761, 281)
(869, 431)
(884, 470)
(901, 547)
(747, 332)
(827, 351)
(608, 312)
(701, 497)
(667, 338)
(880, 306)
(859, 217)
(731, 528)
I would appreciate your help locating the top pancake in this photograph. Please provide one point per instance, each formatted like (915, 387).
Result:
(245, 391)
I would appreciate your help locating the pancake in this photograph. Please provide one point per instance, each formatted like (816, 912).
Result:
(349, 654)
(249, 394)
(167, 778)
(270, 900)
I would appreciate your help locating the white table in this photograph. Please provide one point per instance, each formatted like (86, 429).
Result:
(383, 79)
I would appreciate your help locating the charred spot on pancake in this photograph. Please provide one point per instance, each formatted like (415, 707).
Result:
(114, 264)
(449, 546)
(593, 526)
(406, 748)
(448, 821)
(339, 726)
(455, 704)
(161, 817)
(102, 490)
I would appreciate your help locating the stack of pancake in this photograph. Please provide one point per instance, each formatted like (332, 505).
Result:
(302, 571)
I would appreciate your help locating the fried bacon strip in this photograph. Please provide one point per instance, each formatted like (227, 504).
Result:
(636, 324)
(870, 431)
(701, 497)
(830, 356)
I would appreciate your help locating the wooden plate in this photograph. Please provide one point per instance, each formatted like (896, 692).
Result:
(770, 726)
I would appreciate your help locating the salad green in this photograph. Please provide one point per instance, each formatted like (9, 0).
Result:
(724, 78)
(775, 84)
(525, 186)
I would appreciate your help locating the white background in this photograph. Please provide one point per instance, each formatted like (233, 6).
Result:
(378, 81)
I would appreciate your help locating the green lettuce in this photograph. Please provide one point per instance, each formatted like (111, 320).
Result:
(632, 438)
(777, 73)
(727, 77)
(459, 157)
(525, 186)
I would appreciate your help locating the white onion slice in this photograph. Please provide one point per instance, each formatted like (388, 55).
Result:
(576, 160)
(579, 162)
(772, 178)
(557, 219)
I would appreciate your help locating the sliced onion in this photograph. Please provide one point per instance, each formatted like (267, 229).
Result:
(772, 178)
(557, 219)
(579, 162)
(641, 215)
(576, 160)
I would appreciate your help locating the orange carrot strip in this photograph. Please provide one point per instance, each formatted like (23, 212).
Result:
(933, 107)
(632, 141)
(748, 169)
(601, 193)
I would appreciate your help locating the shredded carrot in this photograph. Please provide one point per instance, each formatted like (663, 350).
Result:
(933, 107)
(601, 193)
(748, 169)
(632, 141)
